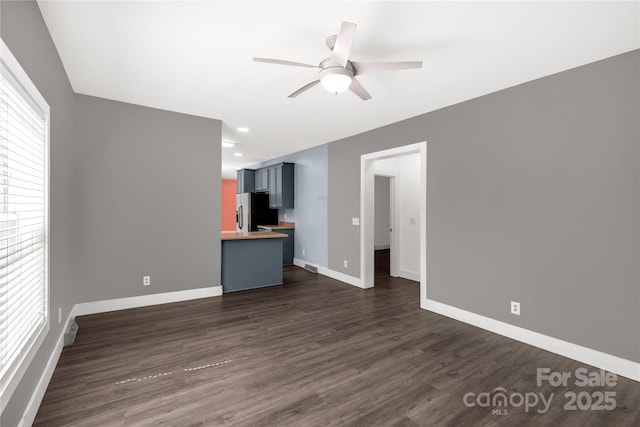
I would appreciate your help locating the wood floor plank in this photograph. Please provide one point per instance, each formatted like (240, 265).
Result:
(313, 352)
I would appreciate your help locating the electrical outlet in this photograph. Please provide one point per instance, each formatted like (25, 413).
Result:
(515, 308)
(146, 281)
(345, 263)
(285, 215)
(355, 221)
(59, 315)
(412, 221)
(303, 252)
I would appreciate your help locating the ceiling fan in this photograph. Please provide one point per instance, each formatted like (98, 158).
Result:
(337, 72)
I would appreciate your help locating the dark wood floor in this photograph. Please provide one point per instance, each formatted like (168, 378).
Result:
(312, 352)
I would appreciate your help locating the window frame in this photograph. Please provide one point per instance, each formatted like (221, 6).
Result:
(10, 68)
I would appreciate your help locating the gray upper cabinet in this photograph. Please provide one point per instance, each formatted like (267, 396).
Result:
(281, 189)
(262, 180)
(246, 181)
(277, 180)
(275, 189)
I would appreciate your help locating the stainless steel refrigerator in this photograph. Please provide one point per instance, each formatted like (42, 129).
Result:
(252, 209)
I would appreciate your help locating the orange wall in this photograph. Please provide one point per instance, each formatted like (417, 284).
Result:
(229, 204)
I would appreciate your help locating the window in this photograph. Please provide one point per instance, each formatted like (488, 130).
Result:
(24, 287)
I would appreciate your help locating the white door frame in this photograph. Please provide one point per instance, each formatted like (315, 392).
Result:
(367, 183)
(394, 244)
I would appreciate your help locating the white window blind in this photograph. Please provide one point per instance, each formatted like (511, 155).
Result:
(23, 212)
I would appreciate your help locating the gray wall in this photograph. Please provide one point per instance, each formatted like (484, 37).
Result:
(25, 34)
(310, 213)
(149, 200)
(533, 196)
(134, 191)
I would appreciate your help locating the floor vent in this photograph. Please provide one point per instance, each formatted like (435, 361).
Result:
(70, 336)
(311, 268)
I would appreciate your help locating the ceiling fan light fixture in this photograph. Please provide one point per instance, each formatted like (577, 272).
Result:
(337, 72)
(336, 79)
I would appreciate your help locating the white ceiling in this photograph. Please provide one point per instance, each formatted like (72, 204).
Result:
(196, 58)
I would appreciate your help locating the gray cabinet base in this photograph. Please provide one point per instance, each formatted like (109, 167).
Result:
(287, 247)
(251, 263)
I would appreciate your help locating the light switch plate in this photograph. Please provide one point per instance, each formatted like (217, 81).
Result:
(355, 221)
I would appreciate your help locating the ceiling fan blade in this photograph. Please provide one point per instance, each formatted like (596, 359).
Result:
(360, 68)
(304, 88)
(359, 90)
(342, 47)
(281, 62)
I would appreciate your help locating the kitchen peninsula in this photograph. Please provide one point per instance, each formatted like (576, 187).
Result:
(251, 259)
(287, 245)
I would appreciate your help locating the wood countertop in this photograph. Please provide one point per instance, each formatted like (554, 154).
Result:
(283, 225)
(235, 235)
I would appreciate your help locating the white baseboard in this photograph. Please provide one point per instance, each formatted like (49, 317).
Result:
(354, 281)
(598, 359)
(145, 300)
(381, 247)
(301, 263)
(411, 275)
(30, 412)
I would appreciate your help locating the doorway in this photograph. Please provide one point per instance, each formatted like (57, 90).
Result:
(368, 171)
(386, 247)
(383, 229)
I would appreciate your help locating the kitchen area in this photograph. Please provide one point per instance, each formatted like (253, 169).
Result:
(254, 254)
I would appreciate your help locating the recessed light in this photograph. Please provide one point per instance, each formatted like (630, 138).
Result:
(228, 144)
(243, 129)
(237, 154)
